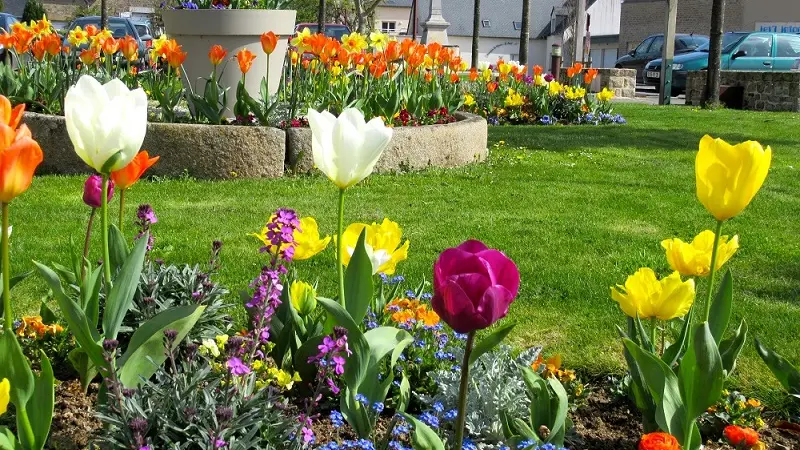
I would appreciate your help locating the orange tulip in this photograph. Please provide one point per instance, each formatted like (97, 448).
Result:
(428, 77)
(393, 51)
(6, 40)
(268, 42)
(245, 58)
(454, 77)
(110, 46)
(217, 54)
(38, 50)
(173, 53)
(19, 153)
(377, 69)
(52, 44)
(22, 40)
(576, 69)
(317, 43)
(130, 174)
(537, 70)
(89, 55)
(491, 86)
(129, 48)
(473, 74)
(590, 75)
(91, 31)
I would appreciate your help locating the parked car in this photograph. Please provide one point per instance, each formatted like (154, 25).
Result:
(119, 26)
(332, 30)
(145, 31)
(740, 51)
(651, 48)
(6, 21)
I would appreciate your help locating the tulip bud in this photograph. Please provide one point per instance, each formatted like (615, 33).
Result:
(304, 297)
(92, 191)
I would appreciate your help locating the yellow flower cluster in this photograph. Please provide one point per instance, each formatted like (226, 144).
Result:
(307, 241)
(513, 99)
(551, 368)
(32, 327)
(469, 100)
(555, 88)
(605, 95)
(574, 93)
(409, 312)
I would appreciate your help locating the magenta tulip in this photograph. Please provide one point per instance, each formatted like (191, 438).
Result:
(92, 191)
(473, 286)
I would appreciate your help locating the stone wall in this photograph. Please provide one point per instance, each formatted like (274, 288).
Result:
(621, 81)
(763, 91)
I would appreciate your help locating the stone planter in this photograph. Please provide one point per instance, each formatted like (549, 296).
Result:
(202, 151)
(412, 148)
(197, 30)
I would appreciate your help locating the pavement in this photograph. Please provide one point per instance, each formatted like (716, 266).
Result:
(648, 95)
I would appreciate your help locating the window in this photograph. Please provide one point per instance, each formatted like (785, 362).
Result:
(517, 25)
(657, 45)
(389, 27)
(788, 46)
(485, 23)
(757, 46)
(642, 48)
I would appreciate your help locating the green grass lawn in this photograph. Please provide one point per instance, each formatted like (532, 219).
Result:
(578, 208)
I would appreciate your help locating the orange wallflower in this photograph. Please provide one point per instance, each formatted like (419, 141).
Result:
(89, 55)
(19, 153)
(268, 42)
(129, 48)
(245, 58)
(33, 327)
(491, 86)
(217, 54)
(130, 174)
(590, 75)
(659, 441)
(740, 436)
(110, 46)
(537, 70)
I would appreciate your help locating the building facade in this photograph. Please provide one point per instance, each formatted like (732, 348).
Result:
(641, 18)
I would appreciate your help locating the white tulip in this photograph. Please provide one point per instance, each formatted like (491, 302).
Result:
(106, 123)
(346, 148)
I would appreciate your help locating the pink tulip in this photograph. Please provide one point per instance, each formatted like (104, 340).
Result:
(473, 286)
(92, 191)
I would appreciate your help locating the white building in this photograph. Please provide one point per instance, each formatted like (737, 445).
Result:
(501, 22)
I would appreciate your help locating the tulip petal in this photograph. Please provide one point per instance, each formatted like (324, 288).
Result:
(347, 143)
(456, 308)
(17, 165)
(503, 271)
(473, 246)
(454, 261)
(321, 145)
(493, 304)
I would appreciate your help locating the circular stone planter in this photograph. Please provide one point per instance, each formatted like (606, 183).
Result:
(196, 30)
(411, 148)
(201, 151)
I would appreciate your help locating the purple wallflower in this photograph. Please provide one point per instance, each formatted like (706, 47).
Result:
(237, 367)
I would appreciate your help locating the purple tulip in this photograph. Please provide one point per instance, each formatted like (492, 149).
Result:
(92, 191)
(549, 77)
(473, 286)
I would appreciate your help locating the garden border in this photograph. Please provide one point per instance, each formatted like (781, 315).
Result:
(229, 151)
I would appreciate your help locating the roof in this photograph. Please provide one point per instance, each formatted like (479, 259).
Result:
(398, 3)
(500, 14)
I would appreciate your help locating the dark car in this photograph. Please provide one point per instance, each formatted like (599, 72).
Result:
(119, 26)
(146, 32)
(651, 48)
(332, 30)
(751, 51)
(6, 21)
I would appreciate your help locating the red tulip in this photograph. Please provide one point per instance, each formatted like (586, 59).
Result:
(473, 286)
(92, 191)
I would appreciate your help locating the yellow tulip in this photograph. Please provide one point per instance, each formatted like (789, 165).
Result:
(555, 88)
(382, 245)
(729, 176)
(469, 100)
(646, 296)
(605, 95)
(694, 259)
(303, 296)
(5, 395)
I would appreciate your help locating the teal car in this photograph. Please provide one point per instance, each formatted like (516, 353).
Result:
(756, 51)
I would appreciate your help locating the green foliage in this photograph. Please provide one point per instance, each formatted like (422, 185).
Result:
(548, 411)
(34, 10)
(784, 371)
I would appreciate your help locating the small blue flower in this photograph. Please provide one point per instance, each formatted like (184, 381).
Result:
(410, 294)
(469, 445)
(462, 336)
(429, 419)
(384, 277)
(398, 279)
(451, 415)
(372, 324)
(419, 343)
(456, 368)
(400, 428)
(426, 296)
(546, 120)
(337, 419)
(438, 407)
(526, 444)
(418, 360)
(377, 407)
(361, 398)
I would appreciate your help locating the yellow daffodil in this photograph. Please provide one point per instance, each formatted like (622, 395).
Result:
(354, 42)
(729, 176)
(554, 88)
(209, 347)
(336, 70)
(694, 259)
(77, 37)
(574, 93)
(307, 241)
(382, 245)
(647, 296)
(18, 27)
(42, 27)
(605, 95)
(5, 395)
(463, 66)
(301, 40)
(469, 100)
(303, 296)
(486, 75)
(378, 40)
(539, 80)
(513, 99)
(504, 69)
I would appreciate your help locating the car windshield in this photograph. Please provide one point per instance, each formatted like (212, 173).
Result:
(142, 29)
(332, 31)
(118, 29)
(729, 40)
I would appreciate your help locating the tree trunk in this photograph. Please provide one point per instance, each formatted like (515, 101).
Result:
(711, 96)
(321, 17)
(525, 33)
(359, 15)
(103, 14)
(476, 32)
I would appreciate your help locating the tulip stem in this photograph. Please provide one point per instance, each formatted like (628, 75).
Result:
(121, 208)
(104, 218)
(86, 242)
(713, 269)
(340, 249)
(461, 420)
(9, 319)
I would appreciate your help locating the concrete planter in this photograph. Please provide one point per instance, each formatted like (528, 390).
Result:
(412, 148)
(202, 151)
(197, 30)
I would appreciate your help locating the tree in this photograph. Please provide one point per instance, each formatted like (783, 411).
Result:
(33, 11)
(476, 31)
(321, 17)
(525, 33)
(364, 10)
(711, 96)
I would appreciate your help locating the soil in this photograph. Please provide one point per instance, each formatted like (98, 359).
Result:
(74, 421)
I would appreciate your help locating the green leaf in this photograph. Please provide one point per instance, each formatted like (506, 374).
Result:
(15, 367)
(721, 308)
(40, 406)
(423, 437)
(730, 348)
(86, 336)
(700, 372)
(125, 285)
(382, 341)
(90, 296)
(490, 342)
(525, 430)
(673, 353)
(505, 423)
(644, 336)
(47, 314)
(786, 373)
(86, 369)
(309, 348)
(117, 248)
(146, 351)
(7, 439)
(405, 395)
(358, 288)
(356, 368)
